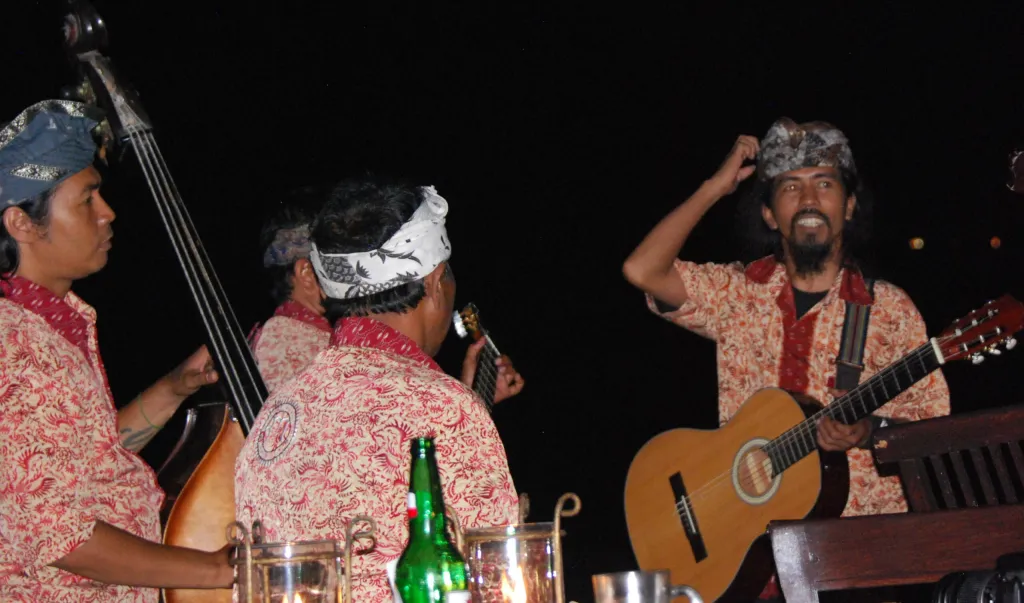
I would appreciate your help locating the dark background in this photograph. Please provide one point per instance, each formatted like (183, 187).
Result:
(559, 134)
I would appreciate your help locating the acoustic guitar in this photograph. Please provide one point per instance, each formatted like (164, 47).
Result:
(698, 502)
(485, 381)
(206, 504)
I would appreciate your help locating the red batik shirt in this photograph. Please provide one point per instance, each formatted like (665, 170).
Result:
(750, 313)
(288, 341)
(62, 466)
(333, 442)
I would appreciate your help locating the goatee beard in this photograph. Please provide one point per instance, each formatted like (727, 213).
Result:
(809, 258)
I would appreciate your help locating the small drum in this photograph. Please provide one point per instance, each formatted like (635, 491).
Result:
(519, 563)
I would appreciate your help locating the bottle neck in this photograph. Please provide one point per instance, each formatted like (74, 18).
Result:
(426, 501)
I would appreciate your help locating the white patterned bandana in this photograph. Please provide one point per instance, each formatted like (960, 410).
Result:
(419, 246)
(790, 146)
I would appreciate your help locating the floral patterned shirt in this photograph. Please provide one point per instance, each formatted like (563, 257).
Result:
(287, 342)
(333, 442)
(62, 466)
(750, 314)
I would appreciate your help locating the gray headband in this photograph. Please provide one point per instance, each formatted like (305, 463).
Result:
(790, 146)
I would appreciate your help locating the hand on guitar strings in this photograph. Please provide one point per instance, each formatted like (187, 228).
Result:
(840, 437)
(508, 381)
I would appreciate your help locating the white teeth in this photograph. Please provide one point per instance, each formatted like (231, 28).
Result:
(810, 221)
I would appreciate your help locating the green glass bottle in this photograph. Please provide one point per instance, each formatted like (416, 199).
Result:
(431, 569)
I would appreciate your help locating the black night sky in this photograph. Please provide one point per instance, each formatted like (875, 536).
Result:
(559, 135)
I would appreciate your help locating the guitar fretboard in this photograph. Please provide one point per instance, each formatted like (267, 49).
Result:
(485, 382)
(793, 445)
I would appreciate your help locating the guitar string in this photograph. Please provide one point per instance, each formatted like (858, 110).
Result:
(918, 354)
(748, 483)
(184, 244)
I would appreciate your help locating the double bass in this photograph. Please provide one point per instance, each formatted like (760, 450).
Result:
(205, 505)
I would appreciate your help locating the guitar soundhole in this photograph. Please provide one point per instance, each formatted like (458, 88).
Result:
(752, 473)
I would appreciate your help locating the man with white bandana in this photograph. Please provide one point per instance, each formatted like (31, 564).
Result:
(298, 331)
(333, 442)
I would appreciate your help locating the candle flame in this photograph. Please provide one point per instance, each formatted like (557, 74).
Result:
(297, 599)
(516, 591)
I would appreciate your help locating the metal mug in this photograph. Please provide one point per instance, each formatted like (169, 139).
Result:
(640, 587)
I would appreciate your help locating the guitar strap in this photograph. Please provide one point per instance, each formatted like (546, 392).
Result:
(850, 363)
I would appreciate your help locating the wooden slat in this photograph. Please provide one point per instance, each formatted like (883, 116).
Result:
(918, 487)
(1017, 454)
(1001, 470)
(945, 487)
(890, 550)
(943, 434)
(984, 477)
(964, 482)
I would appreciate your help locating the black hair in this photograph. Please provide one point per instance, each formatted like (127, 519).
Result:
(38, 210)
(761, 240)
(360, 215)
(298, 208)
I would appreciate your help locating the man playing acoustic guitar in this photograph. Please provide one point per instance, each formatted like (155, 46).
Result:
(779, 321)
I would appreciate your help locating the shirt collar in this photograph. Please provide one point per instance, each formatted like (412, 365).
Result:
(295, 310)
(70, 316)
(363, 332)
(849, 283)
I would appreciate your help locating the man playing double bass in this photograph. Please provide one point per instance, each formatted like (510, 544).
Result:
(298, 331)
(79, 510)
(778, 322)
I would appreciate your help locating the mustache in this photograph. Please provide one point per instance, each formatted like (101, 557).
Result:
(810, 212)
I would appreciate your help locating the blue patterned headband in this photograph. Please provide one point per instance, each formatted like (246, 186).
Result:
(45, 144)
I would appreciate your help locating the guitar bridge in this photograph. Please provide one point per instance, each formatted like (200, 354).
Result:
(686, 516)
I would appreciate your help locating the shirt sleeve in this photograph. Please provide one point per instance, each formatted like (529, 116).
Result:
(43, 466)
(712, 290)
(929, 397)
(473, 465)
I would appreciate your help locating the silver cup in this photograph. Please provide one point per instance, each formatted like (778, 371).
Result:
(640, 587)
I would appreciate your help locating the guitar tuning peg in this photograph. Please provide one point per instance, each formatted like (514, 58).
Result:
(994, 351)
(977, 358)
(1011, 343)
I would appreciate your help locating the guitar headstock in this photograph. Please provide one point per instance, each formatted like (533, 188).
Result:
(983, 330)
(467, 322)
(85, 36)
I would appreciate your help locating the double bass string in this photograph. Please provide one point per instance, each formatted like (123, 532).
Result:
(202, 279)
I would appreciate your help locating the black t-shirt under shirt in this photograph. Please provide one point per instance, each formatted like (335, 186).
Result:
(803, 300)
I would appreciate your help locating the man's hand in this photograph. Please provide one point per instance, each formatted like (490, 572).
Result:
(732, 171)
(139, 421)
(839, 437)
(194, 373)
(509, 382)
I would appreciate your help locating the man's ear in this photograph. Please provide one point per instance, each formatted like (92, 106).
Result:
(433, 284)
(304, 277)
(21, 227)
(851, 206)
(769, 217)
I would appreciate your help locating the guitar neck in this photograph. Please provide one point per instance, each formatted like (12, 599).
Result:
(485, 382)
(855, 405)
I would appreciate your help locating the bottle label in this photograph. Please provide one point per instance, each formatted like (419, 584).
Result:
(412, 506)
(457, 596)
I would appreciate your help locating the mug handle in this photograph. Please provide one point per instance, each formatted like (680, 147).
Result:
(682, 589)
